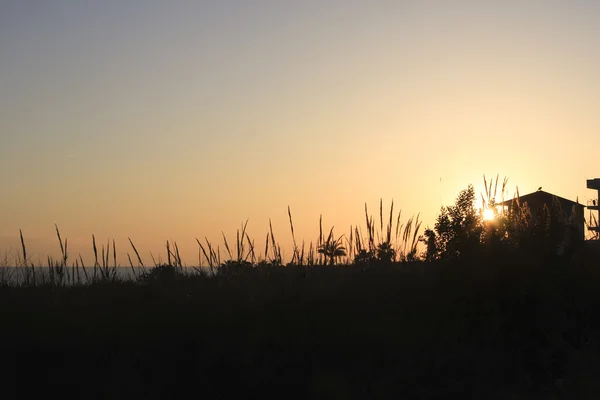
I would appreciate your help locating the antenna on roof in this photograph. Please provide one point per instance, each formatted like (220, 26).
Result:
(540, 188)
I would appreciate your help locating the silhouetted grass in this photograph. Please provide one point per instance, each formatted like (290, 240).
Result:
(490, 327)
(500, 324)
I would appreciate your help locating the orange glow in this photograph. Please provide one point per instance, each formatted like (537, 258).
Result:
(153, 133)
(488, 214)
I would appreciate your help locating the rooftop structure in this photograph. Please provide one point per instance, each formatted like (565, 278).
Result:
(594, 184)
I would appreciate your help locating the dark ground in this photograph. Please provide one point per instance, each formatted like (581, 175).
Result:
(493, 328)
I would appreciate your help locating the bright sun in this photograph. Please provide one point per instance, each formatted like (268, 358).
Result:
(488, 214)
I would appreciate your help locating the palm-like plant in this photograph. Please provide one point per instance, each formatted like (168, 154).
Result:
(385, 252)
(332, 249)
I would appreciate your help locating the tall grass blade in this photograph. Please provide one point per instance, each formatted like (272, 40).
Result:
(136, 252)
(168, 255)
(226, 245)
(23, 248)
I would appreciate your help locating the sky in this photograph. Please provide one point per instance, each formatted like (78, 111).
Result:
(179, 120)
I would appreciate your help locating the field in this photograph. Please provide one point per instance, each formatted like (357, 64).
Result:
(493, 327)
(477, 315)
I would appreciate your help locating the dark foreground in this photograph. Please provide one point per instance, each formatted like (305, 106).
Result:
(490, 328)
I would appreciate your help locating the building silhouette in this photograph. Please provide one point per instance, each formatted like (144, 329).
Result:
(570, 212)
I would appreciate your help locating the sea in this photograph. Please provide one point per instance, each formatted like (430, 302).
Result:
(15, 276)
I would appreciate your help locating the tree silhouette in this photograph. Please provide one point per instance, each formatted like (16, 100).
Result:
(332, 249)
(364, 258)
(385, 252)
(457, 230)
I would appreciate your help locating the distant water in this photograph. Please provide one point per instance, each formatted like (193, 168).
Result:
(18, 275)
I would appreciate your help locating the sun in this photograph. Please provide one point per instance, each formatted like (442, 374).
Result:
(488, 214)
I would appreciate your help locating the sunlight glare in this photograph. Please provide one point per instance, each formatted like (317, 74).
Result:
(488, 214)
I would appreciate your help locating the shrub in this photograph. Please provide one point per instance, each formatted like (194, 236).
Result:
(162, 273)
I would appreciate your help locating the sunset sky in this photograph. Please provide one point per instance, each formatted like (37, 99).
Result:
(162, 120)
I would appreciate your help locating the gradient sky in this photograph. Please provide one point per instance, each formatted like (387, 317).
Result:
(173, 120)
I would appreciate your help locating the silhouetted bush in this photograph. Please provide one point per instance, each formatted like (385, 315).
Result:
(162, 273)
